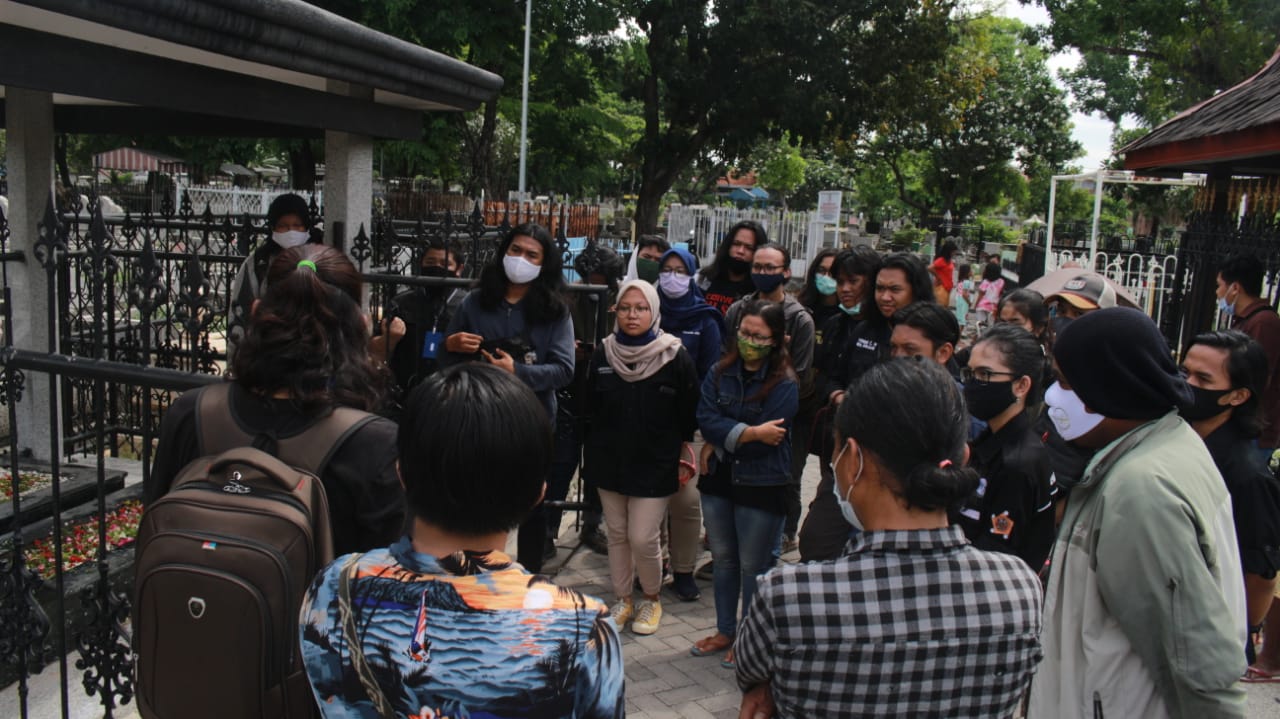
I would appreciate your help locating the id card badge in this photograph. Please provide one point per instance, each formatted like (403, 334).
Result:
(431, 344)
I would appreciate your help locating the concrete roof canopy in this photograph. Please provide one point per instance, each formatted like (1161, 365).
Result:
(226, 67)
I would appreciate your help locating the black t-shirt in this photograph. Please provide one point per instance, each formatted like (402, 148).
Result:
(723, 292)
(1255, 500)
(366, 501)
(1011, 511)
(426, 315)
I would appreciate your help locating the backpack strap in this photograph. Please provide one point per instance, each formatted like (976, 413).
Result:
(349, 637)
(311, 449)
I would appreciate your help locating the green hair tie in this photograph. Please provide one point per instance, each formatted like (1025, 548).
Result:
(307, 263)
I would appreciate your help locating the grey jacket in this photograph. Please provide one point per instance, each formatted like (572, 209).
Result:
(1144, 612)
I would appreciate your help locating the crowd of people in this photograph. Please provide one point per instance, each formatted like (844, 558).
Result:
(1054, 515)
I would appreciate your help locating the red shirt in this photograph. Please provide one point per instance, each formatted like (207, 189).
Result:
(945, 270)
(1261, 322)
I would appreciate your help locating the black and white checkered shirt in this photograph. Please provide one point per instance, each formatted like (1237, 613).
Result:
(905, 624)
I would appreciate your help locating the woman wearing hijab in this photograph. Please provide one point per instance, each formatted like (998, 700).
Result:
(641, 398)
(687, 315)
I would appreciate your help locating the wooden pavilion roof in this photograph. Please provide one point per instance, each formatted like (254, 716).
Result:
(1236, 132)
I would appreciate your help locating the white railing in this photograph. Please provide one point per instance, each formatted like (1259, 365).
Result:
(1147, 278)
(703, 228)
(233, 200)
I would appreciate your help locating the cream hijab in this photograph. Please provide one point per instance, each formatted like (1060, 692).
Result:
(637, 362)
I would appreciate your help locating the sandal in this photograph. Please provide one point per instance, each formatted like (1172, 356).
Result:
(727, 662)
(711, 645)
(1254, 675)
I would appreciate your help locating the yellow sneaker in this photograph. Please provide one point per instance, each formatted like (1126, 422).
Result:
(622, 612)
(648, 617)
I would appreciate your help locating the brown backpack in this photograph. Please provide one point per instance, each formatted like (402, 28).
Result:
(223, 560)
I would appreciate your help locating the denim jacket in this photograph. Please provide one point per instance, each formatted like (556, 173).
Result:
(723, 416)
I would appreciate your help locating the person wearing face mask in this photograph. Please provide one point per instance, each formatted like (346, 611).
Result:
(685, 314)
(645, 260)
(851, 339)
(1011, 511)
(642, 391)
(912, 620)
(412, 336)
(516, 319)
(1239, 291)
(1144, 607)
(770, 271)
(728, 277)
(1227, 371)
(290, 224)
(819, 292)
(745, 412)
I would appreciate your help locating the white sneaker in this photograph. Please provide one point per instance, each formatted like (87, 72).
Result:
(648, 617)
(621, 612)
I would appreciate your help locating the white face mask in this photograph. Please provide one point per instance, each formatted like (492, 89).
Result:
(292, 238)
(673, 285)
(1067, 411)
(519, 270)
(846, 508)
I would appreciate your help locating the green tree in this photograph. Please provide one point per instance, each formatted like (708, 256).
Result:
(962, 135)
(1153, 58)
(721, 74)
(779, 167)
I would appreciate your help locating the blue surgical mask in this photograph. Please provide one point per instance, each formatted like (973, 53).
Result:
(1225, 307)
(825, 284)
(846, 509)
(851, 311)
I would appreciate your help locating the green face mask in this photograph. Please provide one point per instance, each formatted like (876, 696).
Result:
(647, 270)
(751, 352)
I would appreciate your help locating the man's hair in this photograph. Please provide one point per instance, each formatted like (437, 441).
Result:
(543, 302)
(475, 448)
(918, 275)
(1246, 270)
(451, 252)
(917, 430)
(712, 271)
(1247, 368)
(647, 241)
(776, 247)
(937, 323)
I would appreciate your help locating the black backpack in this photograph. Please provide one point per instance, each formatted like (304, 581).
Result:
(223, 560)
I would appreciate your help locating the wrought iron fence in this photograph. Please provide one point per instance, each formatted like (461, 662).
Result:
(1208, 240)
(166, 296)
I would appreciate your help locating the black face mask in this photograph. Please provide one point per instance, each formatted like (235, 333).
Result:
(988, 399)
(1060, 323)
(1205, 404)
(738, 267)
(435, 271)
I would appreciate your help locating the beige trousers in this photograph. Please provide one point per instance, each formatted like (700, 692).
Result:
(633, 526)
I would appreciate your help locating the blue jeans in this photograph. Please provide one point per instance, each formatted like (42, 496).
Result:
(742, 541)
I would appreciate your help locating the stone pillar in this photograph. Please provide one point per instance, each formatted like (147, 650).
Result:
(29, 135)
(348, 175)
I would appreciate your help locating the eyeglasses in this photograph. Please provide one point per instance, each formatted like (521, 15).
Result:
(752, 337)
(633, 310)
(674, 271)
(766, 269)
(982, 374)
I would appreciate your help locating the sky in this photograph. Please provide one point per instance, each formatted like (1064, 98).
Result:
(1093, 132)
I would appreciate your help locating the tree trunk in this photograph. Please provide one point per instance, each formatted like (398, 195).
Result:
(60, 159)
(302, 167)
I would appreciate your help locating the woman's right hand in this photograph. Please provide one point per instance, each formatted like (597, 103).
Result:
(463, 343)
(704, 458)
(771, 433)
